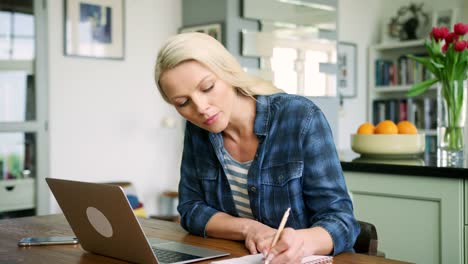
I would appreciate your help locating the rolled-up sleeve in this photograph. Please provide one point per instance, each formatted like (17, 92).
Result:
(194, 212)
(324, 188)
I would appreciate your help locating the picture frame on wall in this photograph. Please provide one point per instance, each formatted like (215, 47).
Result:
(94, 28)
(444, 18)
(213, 29)
(347, 69)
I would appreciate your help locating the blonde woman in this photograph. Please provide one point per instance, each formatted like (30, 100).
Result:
(250, 152)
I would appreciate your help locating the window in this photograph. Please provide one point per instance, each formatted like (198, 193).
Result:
(283, 66)
(17, 96)
(315, 82)
(16, 36)
(304, 70)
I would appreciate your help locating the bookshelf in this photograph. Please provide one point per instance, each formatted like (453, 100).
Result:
(391, 75)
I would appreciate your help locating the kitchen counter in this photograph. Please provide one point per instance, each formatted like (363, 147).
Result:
(418, 205)
(423, 165)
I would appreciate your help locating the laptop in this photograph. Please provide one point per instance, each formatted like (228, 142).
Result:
(102, 219)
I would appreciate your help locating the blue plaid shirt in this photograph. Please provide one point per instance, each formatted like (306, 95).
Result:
(296, 166)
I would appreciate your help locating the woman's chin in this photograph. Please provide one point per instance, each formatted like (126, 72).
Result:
(215, 128)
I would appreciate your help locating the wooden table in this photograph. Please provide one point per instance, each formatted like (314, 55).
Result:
(11, 230)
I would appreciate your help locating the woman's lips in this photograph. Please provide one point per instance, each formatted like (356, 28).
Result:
(211, 120)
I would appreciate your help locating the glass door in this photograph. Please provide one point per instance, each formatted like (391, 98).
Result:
(22, 118)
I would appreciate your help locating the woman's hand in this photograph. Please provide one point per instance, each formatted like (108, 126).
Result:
(258, 237)
(288, 249)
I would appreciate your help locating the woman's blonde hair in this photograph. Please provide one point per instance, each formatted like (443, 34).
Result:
(212, 54)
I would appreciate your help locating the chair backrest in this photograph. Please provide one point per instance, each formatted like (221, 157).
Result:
(367, 240)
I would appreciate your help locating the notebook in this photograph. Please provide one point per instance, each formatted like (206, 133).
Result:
(102, 219)
(258, 259)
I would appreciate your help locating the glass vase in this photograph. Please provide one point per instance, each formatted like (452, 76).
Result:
(451, 117)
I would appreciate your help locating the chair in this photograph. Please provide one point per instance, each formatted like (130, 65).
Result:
(367, 241)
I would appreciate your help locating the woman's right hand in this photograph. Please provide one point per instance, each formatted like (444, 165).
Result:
(258, 237)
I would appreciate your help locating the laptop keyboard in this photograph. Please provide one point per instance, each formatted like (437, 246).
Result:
(169, 256)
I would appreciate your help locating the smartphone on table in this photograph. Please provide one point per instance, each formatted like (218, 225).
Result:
(52, 240)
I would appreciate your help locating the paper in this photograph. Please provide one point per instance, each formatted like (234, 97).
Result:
(258, 259)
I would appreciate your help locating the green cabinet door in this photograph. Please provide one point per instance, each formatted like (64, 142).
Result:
(466, 202)
(466, 244)
(418, 219)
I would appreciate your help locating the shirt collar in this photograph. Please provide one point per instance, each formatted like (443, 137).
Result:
(262, 116)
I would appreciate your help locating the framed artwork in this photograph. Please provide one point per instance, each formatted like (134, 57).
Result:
(347, 69)
(94, 28)
(213, 29)
(444, 18)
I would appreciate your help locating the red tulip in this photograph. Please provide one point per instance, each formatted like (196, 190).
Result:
(460, 29)
(451, 37)
(439, 33)
(460, 45)
(445, 47)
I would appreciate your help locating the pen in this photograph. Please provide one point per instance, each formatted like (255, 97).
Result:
(278, 233)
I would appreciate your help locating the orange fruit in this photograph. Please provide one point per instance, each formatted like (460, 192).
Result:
(366, 129)
(386, 127)
(406, 127)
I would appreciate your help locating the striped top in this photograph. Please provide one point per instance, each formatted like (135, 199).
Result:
(236, 173)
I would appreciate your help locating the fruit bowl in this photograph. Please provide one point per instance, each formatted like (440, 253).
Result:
(391, 145)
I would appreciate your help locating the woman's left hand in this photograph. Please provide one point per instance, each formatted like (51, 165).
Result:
(288, 249)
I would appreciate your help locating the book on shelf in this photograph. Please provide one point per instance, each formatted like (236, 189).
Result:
(422, 112)
(416, 112)
(400, 71)
(393, 111)
(431, 144)
(403, 110)
(385, 73)
(402, 61)
(430, 113)
(379, 111)
(386, 109)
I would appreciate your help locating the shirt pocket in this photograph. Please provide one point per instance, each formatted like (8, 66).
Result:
(207, 174)
(206, 170)
(282, 188)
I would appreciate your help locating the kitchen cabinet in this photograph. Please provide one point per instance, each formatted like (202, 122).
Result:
(419, 219)
(17, 194)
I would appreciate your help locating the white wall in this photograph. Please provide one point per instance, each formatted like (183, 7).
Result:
(390, 8)
(105, 115)
(464, 17)
(358, 22)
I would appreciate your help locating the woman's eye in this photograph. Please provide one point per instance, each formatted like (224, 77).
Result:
(208, 88)
(182, 104)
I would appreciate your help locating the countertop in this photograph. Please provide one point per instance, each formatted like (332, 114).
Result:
(423, 165)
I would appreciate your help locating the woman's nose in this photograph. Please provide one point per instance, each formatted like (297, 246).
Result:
(201, 104)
